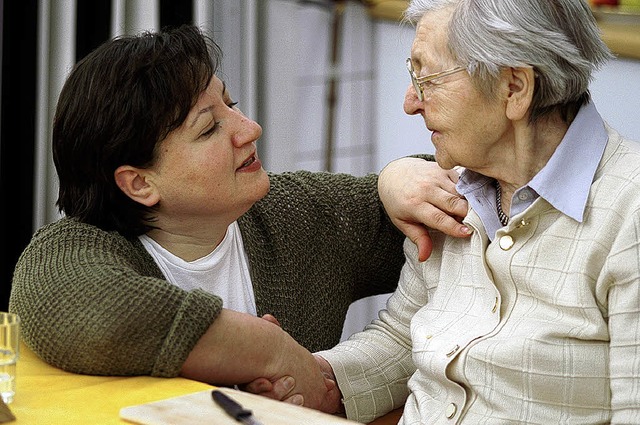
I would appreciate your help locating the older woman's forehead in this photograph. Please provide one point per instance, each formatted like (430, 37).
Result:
(430, 41)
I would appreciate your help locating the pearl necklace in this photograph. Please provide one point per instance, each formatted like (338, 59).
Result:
(501, 215)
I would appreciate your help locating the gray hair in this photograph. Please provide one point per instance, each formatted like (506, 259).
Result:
(558, 38)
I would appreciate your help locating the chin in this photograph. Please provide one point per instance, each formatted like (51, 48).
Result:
(262, 186)
(444, 161)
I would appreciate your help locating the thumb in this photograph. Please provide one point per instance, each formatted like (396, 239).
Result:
(419, 235)
(272, 319)
(424, 246)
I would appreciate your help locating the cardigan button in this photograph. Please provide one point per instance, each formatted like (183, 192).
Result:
(506, 242)
(451, 410)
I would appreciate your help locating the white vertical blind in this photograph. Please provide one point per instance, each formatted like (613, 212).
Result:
(233, 26)
(135, 16)
(56, 45)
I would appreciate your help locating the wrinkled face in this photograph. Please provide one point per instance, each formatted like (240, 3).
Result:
(208, 168)
(465, 125)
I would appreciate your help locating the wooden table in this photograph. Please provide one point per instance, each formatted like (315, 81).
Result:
(48, 395)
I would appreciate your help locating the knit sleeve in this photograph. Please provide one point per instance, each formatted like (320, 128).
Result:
(317, 243)
(348, 212)
(93, 302)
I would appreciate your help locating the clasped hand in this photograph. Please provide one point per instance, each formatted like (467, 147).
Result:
(287, 389)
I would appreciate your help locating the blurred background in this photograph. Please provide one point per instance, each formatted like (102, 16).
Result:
(325, 79)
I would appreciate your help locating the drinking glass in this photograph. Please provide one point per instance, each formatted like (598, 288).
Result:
(9, 353)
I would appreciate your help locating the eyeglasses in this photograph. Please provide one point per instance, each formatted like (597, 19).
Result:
(418, 82)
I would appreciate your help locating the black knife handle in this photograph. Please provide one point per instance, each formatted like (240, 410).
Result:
(233, 408)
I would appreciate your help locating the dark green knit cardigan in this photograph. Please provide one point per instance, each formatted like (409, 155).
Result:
(94, 302)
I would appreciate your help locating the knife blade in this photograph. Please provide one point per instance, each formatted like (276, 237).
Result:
(234, 409)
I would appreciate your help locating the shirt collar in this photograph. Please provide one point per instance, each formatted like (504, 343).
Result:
(564, 181)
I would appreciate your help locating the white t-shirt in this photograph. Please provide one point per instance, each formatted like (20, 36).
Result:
(224, 272)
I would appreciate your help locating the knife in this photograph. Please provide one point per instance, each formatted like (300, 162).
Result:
(234, 409)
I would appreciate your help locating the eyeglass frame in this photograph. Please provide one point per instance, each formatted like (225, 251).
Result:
(419, 81)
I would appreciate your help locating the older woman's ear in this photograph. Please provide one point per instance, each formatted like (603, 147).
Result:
(521, 83)
(133, 183)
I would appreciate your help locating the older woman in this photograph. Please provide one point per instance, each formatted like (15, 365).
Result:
(536, 317)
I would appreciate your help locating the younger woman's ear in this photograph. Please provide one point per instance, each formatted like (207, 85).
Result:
(521, 85)
(132, 182)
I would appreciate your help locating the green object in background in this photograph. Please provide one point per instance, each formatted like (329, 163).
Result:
(630, 5)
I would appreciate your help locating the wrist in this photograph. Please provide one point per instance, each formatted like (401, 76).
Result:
(279, 353)
(336, 405)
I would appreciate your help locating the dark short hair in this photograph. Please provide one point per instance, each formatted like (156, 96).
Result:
(118, 103)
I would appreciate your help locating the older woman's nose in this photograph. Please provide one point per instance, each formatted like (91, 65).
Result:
(412, 105)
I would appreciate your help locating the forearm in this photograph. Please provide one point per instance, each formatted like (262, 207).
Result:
(372, 367)
(239, 348)
(236, 348)
(371, 372)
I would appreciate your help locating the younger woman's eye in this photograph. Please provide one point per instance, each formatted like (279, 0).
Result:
(211, 130)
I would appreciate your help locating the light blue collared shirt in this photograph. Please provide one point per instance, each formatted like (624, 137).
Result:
(564, 181)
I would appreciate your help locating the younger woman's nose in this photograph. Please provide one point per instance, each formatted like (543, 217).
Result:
(248, 132)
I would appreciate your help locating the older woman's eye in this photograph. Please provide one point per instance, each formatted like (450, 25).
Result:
(232, 104)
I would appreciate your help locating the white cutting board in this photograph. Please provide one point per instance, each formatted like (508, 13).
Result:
(199, 408)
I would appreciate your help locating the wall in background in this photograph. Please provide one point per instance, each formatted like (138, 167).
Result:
(616, 92)
(299, 68)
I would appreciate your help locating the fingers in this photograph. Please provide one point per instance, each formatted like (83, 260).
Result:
(419, 234)
(330, 383)
(445, 223)
(283, 387)
(333, 399)
(443, 197)
(258, 386)
(420, 192)
(296, 399)
(439, 210)
(455, 205)
(278, 390)
(272, 319)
